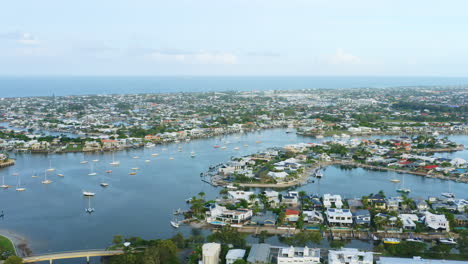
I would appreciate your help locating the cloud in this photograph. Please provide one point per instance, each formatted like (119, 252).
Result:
(190, 57)
(23, 38)
(342, 58)
(262, 54)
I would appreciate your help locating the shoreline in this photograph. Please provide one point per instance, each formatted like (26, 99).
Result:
(20, 243)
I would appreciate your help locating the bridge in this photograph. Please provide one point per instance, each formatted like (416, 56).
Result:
(73, 254)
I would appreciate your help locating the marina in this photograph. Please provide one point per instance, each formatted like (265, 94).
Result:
(153, 193)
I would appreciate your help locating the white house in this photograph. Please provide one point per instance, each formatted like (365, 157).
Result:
(436, 222)
(303, 255)
(234, 254)
(350, 256)
(239, 195)
(408, 220)
(339, 216)
(211, 252)
(330, 200)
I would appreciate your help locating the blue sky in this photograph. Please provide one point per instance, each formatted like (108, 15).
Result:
(234, 37)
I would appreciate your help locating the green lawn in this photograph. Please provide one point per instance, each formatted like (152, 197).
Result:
(6, 244)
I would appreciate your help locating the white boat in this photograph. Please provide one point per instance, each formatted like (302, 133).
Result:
(236, 148)
(60, 175)
(150, 145)
(319, 136)
(345, 136)
(114, 162)
(89, 210)
(174, 224)
(34, 175)
(415, 239)
(147, 161)
(92, 173)
(246, 145)
(447, 241)
(96, 160)
(136, 157)
(18, 187)
(46, 181)
(403, 189)
(192, 154)
(86, 193)
(223, 147)
(15, 174)
(136, 168)
(104, 184)
(164, 149)
(171, 158)
(50, 166)
(84, 162)
(155, 154)
(448, 194)
(395, 180)
(4, 186)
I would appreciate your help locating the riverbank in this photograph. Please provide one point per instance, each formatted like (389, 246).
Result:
(9, 162)
(428, 174)
(13, 242)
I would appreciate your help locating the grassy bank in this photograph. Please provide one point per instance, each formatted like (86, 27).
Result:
(7, 245)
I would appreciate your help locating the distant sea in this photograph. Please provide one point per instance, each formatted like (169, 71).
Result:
(59, 86)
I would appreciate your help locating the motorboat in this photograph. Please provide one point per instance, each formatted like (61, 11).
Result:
(96, 160)
(447, 241)
(448, 195)
(395, 180)
(171, 158)
(104, 184)
(236, 148)
(192, 154)
(415, 239)
(147, 161)
(60, 175)
(391, 241)
(215, 146)
(86, 193)
(155, 154)
(132, 173)
(403, 190)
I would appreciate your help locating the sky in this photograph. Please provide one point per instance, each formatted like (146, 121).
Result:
(234, 37)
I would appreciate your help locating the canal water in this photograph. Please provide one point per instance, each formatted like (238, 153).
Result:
(52, 217)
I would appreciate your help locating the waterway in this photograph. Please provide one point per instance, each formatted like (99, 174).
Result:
(52, 217)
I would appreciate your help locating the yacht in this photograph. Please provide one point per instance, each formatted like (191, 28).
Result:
(84, 162)
(395, 180)
(95, 160)
(114, 162)
(86, 193)
(50, 166)
(216, 146)
(92, 173)
(171, 158)
(104, 184)
(132, 173)
(319, 136)
(236, 148)
(46, 181)
(18, 187)
(89, 210)
(34, 175)
(403, 189)
(136, 168)
(246, 145)
(60, 175)
(155, 154)
(415, 239)
(223, 147)
(147, 161)
(447, 241)
(192, 154)
(448, 195)
(149, 145)
(136, 157)
(4, 186)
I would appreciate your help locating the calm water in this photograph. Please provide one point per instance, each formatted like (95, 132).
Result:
(52, 217)
(46, 86)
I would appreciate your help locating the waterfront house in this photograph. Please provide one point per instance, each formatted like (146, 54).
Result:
(313, 217)
(296, 255)
(394, 203)
(408, 221)
(290, 200)
(210, 253)
(377, 201)
(239, 195)
(421, 205)
(350, 256)
(291, 215)
(436, 222)
(266, 218)
(330, 200)
(461, 204)
(461, 220)
(339, 217)
(272, 197)
(234, 254)
(259, 254)
(417, 260)
(362, 218)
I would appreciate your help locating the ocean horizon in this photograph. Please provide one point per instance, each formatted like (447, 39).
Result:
(28, 86)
